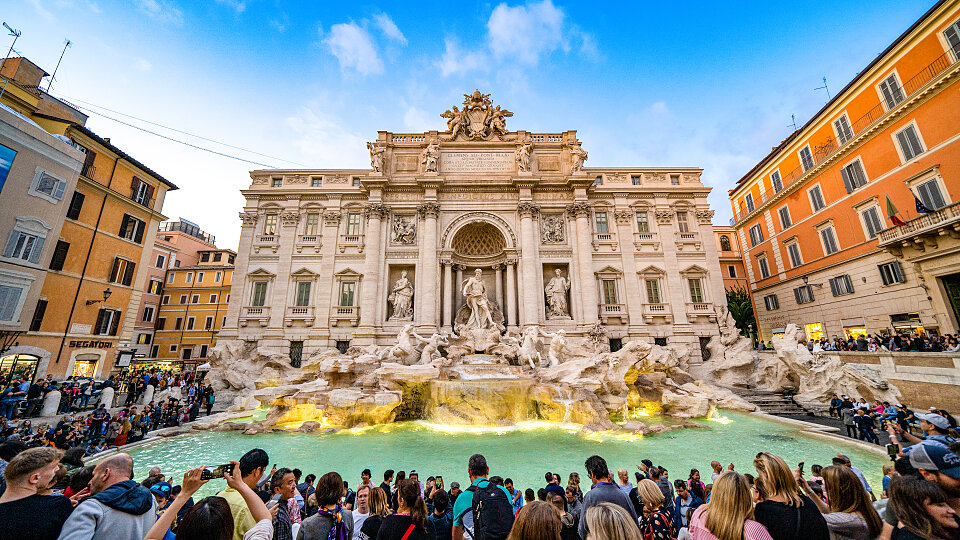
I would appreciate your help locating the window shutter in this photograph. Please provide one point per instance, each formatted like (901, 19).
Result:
(128, 274)
(134, 187)
(849, 282)
(38, 315)
(76, 203)
(58, 191)
(898, 272)
(98, 328)
(796, 293)
(114, 323)
(847, 181)
(36, 250)
(59, 255)
(88, 162)
(115, 272)
(834, 289)
(11, 243)
(149, 195)
(140, 227)
(124, 223)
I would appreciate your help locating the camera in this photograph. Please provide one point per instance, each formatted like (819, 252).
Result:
(218, 472)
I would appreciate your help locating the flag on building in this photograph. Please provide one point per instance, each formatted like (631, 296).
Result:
(920, 207)
(892, 213)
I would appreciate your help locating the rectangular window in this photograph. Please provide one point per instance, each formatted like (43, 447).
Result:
(296, 353)
(155, 351)
(682, 224)
(123, 271)
(161, 323)
(756, 235)
(776, 181)
(643, 224)
(190, 322)
(674, 179)
(217, 276)
(259, 293)
(844, 131)
(38, 315)
(853, 176)
(24, 246)
(49, 186)
(213, 299)
(208, 323)
(353, 223)
(312, 224)
(696, 290)
(76, 204)
(183, 299)
(803, 294)
(653, 291)
(601, 220)
(199, 277)
(203, 351)
(315, 181)
(348, 290)
(816, 198)
(806, 158)
(303, 293)
(356, 181)
(141, 192)
(178, 324)
(598, 181)
(609, 291)
(749, 200)
(771, 302)
(871, 219)
(170, 277)
(891, 273)
(189, 278)
(143, 339)
(166, 299)
(829, 238)
(147, 314)
(841, 285)
(173, 348)
(270, 224)
(59, 255)
(108, 322)
(205, 257)
(635, 180)
(764, 267)
(9, 302)
(909, 142)
(195, 299)
(161, 261)
(952, 35)
(929, 194)
(132, 228)
(784, 213)
(276, 182)
(794, 251)
(731, 270)
(892, 91)
(217, 257)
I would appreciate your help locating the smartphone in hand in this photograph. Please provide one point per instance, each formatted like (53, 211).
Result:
(218, 472)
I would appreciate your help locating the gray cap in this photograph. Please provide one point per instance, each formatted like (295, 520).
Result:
(935, 457)
(936, 420)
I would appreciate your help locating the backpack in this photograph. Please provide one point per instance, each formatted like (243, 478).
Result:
(492, 513)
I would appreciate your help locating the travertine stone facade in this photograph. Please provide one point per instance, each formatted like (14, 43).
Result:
(322, 251)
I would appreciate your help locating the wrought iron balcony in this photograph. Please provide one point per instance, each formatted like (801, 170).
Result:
(923, 230)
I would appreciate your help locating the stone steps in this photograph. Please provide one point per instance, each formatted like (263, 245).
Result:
(772, 402)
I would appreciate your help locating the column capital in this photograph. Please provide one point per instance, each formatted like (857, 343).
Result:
(578, 209)
(377, 210)
(528, 209)
(624, 217)
(428, 209)
(332, 217)
(248, 219)
(664, 217)
(290, 218)
(705, 217)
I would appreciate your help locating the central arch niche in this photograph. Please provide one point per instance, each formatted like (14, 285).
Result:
(478, 240)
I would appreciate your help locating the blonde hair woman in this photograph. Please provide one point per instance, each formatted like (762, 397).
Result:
(608, 521)
(655, 522)
(783, 510)
(538, 520)
(729, 514)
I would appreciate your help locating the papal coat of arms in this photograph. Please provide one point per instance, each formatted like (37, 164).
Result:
(478, 120)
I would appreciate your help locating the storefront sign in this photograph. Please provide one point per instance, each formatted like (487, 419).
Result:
(83, 344)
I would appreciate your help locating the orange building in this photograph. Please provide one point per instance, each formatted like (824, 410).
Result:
(822, 247)
(731, 258)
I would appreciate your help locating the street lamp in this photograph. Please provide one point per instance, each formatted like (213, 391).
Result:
(106, 295)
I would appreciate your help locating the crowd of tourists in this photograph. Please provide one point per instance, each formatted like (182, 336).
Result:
(862, 420)
(50, 494)
(877, 342)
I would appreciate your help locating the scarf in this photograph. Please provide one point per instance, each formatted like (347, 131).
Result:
(339, 530)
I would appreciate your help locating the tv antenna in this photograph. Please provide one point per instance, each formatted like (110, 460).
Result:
(16, 35)
(824, 87)
(793, 122)
(66, 44)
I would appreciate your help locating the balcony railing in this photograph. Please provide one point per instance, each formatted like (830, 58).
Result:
(927, 223)
(351, 240)
(345, 313)
(609, 311)
(656, 309)
(604, 237)
(308, 240)
(828, 149)
(257, 314)
(299, 313)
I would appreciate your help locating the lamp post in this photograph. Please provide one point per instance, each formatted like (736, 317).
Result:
(106, 295)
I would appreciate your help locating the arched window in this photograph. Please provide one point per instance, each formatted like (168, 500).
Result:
(725, 243)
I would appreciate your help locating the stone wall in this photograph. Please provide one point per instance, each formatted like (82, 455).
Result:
(924, 379)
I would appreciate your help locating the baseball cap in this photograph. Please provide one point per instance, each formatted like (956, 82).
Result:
(454, 485)
(161, 488)
(932, 409)
(935, 457)
(936, 420)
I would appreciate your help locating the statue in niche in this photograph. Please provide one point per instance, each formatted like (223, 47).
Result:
(558, 348)
(404, 230)
(401, 298)
(430, 157)
(523, 157)
(376, 156)
(431, 349)
(551, 231)
(556, 291)
(579, 157)
(475, 296)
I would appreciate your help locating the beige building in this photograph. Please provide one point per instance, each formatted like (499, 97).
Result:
(341, 257)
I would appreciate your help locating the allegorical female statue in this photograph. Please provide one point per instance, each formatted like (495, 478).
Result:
(556, 291)
(401, 298)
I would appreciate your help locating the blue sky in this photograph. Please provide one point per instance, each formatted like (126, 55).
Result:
(706, 84)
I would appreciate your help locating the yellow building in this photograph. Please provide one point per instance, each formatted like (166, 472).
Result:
(192, 310)
(97, 273)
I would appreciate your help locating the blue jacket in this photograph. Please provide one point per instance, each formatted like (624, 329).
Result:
(677, 521)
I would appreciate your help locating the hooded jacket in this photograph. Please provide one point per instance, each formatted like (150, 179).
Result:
(125, 510)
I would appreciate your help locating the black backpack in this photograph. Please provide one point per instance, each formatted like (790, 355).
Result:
(492, 513)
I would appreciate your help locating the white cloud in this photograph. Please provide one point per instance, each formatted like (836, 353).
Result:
(456, 61)
(142, 64)
(323, 137)
(42, 11)
(389, 28)
(354, 48)
(416, 120)
(162, 11)
(237, 5)
(525, 32)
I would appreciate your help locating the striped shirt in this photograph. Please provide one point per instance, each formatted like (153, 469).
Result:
(698, 528)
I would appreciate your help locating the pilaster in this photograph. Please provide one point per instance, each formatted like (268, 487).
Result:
(582, 250)
(528, 263)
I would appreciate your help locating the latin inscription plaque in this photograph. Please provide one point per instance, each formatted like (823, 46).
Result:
(471, 162)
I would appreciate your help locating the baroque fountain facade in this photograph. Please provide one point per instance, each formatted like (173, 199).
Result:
(482, 276)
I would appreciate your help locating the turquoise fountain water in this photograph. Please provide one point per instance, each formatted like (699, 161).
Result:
(523, 453)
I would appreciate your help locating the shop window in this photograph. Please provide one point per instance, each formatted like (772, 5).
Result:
(85, 365)
(814, 331)
(18, 365)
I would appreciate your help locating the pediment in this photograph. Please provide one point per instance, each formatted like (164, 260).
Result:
(260, 272)
(607, 270)
(348, 272)
(304, 272)
(694, 269)
(652, 270)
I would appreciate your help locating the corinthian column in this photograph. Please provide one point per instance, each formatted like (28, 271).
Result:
(427, 318)
(371, 268)
(582, 249)
(528, 263)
